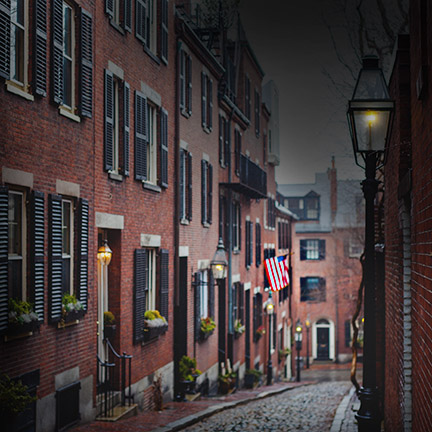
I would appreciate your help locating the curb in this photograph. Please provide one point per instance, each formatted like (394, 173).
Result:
(197, 417)
(341, 411)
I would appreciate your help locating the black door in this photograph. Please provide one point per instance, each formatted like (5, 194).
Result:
(247, 323)
(222, 322)
(323, 345)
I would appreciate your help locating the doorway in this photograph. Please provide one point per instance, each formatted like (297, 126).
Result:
(323, 343)
(323, 340)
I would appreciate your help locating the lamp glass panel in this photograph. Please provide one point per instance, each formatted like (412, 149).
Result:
(371, 85)
(371, 129)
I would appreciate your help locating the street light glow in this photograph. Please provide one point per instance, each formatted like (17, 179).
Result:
(371, 117)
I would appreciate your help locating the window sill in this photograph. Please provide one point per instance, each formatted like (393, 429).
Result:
(152, 55)
(117, 26)
(20, 331)
(206, 225)
(185, 112)
(67, 113)
(207, 130)
(236, 252)
(115, 176)
(18, 90)
(184, 221)
(151, 186)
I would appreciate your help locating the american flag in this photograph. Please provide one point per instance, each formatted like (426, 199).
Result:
(277, 272)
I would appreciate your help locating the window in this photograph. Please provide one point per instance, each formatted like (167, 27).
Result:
(120, 13)
(68, 57)
(204, 298)
(185, 83)
(283, 234)
(206, 192)
(18, 42)
(355, 248)
(68, 251)
(146, 23)
(185, 185)
(237, 150)
(206, 102)
(117, 125)
(16, 245)
(306, 208)
(271, 213)
(257, 113)
(238, 302)
(203, 295)
(312, 249)
(150, 292)
(268, 253)
(223, 217)
(247, 97)
(312, 289)
(258, 244)
(151, 147)
(224, 141)
(249, 243)
(311, 208)
(236, 226)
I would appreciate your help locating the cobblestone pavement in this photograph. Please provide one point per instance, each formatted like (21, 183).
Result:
(309, 409)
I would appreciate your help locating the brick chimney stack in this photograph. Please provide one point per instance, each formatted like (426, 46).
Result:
(332, 174)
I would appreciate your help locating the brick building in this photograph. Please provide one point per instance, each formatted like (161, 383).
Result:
(326, 269)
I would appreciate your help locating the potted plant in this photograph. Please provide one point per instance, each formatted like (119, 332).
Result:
(252, 378)
(72, 309)
(283, 353)
(188, 373)
(259, 332)
(227, 382)
(239, 328)
(154, 324)
(207, 327)
(22, 318)
(14, 399)
(109, 325)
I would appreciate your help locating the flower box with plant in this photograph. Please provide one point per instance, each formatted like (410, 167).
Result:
(22, 318)
(14, 399)
(283, 353)
(188, 374)
(154, 324)
(72, 309)
(109, 325)
(207, 327)
(239, 328)
(227, 382)
(252, 378)
(259, 332)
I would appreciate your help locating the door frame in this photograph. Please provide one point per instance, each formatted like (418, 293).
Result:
(331, 327)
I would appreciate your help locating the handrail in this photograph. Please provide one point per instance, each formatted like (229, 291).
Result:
(104, 386)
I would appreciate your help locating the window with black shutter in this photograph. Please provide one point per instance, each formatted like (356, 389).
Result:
(163, 40)
(238, 303)
(236, 226)
(120, 14)
(163, 148)
(248, 243)
(237, 151)
(86, 65)
(40, 48)
(185, 186)
(312, 249)
(185, 83)
(312, 288)
(141, 139)
(257, 113)
(258, 244)
(164, 283)
(257, 315)
(140, 291)
(206, 102)
(206, 192)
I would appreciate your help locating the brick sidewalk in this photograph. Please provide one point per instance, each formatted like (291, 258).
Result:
(180, 414)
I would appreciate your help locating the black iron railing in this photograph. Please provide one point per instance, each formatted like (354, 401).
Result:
(253, 177)
(105, 387)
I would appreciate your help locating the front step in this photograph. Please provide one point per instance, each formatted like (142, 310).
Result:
(120, 412)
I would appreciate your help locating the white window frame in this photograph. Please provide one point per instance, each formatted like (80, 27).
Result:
(116, 11)
(312, 249)
(23, 85)
(151, 300)
(151, 25)
(204, 298)
(69, 255)
(152, 160)
(70, 57)
(22, 257)
(183, 183)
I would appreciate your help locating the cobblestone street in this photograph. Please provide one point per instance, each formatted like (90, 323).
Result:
(310, 408)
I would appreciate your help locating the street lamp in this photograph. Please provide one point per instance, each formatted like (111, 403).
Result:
(269, 307)
(369, 117)
(219, 262)
(308, 324)
(298, 340)
(104, 254)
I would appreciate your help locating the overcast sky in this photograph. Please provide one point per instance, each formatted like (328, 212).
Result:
(293, 46)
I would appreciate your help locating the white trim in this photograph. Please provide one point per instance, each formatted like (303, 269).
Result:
(235, 278)
(184, 145)
(247, 286)
(257, 290)
(279, 326)
(248, 218)
(283, 314)
(150, 240)
(12, 87)
(109, 221)
(331, 328)
(257, 220)
(151, 94)
(64, 111)
(203, 264)
(183, 251)
(206, 157)
(67, 188)
(17, 177)
(116, 70)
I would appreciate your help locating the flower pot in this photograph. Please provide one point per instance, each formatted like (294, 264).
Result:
(16, 328)
(154, 332)
(249, 381)
(73, 315)
(205, 335)
(109, 331)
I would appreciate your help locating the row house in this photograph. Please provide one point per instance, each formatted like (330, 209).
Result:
(327, 272)
(130, 150)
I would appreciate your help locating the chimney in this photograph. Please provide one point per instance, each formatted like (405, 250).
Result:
(332, 175)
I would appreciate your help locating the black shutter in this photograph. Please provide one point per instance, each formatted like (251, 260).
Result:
(239, 225)
(140, 136)
(182, 81)
(5, 31)
(250, 242)
(254, 318)
(203, 191)
(189, 192)
(221, 139)
(126, 128)
(40, 48)
(235, 301)
(109, 8)
(211, 294)
(127, 15)
(164, 283)
(303, 250)
(210, 104)
(164, 31)
(247, 244)
(140, 21)
(274, 322)
(140, 281)
(182, 183)
(203, 99)
(322, 289)
(37, 240)
(82, 252)
(266, 281)
(258, 244)
(189, 76)
(57, 51)
(4, 242)
(347, 333)
(55, 258)
(241, 303)
(86, 65)
(197, 304)
(321, 249)
(164, 147)
(210, 194)
(109, 121)
(227, 154)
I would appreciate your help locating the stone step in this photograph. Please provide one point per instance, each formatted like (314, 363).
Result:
(120, 412)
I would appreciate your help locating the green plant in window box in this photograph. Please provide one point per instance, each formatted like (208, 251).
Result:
(22, 318)
(154, 324)
(227, 381)
(239, 328)
(14, 399)
(283, 353)
(188, 374)
(109, 325)
(207, 327)
(72, 309)
(260, 331)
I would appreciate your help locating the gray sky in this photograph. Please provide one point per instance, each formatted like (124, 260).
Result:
(293, 46)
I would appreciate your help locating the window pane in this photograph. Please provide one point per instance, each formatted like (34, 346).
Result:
(15, 278)
(66, 275)
(67, 81)
(15, 224)
(66, 228)
(67, 55)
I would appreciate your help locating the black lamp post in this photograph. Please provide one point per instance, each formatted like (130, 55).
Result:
(269, 306)
(369, 116)
(307, 323)
(298, 340)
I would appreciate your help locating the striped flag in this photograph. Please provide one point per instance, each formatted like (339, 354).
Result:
(277, 272)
